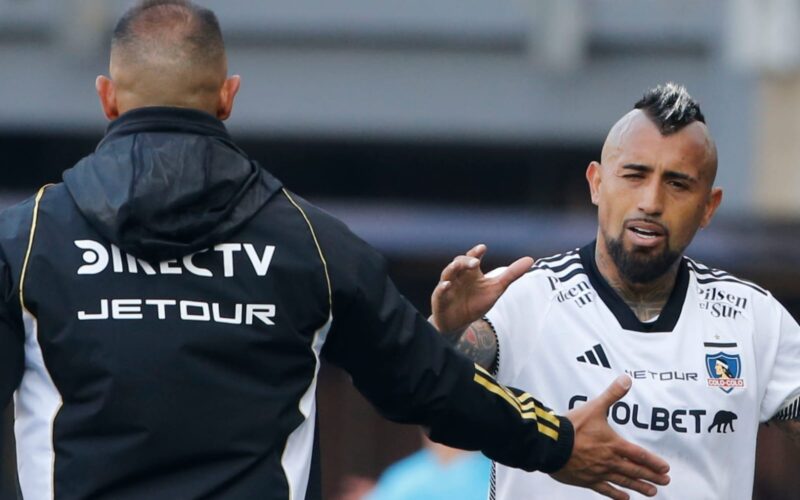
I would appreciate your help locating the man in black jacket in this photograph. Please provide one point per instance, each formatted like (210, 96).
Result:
(164, 312)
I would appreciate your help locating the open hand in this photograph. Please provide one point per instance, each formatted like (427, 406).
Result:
(601, 457)
(464, 294)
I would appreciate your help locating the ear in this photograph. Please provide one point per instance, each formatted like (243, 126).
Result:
(593, 177)
(714, 199)
(227, 94)
(107, 92)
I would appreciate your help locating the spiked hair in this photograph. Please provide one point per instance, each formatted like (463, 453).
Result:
(670, 107)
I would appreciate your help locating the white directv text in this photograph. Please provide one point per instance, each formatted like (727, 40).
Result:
(97, 258)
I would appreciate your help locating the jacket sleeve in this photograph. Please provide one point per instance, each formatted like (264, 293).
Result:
(15, 223)
(12, 356)
(412, 375)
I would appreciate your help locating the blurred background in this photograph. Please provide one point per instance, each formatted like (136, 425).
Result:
(432, 125)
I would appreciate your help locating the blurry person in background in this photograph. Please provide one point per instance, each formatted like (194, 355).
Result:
(165, 310)
(713, 355)
(436, 472)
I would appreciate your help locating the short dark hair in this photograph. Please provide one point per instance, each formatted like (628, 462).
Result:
(670, 107)
(203, 34)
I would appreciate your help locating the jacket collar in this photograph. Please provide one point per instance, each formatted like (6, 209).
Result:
(167, 119)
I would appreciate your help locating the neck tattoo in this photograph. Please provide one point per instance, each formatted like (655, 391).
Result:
(646, 300)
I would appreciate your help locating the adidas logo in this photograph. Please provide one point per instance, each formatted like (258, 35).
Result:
(595, 356)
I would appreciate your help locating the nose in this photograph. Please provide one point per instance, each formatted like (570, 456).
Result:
(651, 198)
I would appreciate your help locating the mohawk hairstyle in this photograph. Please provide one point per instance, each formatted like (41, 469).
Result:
(203, 32)
(670, 107)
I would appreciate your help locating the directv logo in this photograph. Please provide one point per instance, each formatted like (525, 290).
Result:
(595, 356)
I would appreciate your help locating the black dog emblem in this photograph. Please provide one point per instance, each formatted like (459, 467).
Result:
(722, 420)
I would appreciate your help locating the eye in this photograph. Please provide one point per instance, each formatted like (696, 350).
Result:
(634, 176)
(679, 185)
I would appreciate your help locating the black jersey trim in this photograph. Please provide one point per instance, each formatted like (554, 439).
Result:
(556, 257)
(715, 275)
(705, 281)
(546, 264)
(495, 367)
(493, 481)
(572, 274)
(700, 269)
(627, 319)
(720, 345)
(559, 267)
(790, 411)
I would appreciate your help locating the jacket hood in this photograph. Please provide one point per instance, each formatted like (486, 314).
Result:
(167, 182)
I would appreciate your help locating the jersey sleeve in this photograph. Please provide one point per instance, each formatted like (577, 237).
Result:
(783, 384)
(516, 319)
(412, 375)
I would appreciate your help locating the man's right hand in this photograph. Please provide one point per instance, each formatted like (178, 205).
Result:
(601, 457)
(464, 294)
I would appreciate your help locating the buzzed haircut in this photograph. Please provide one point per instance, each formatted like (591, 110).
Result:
(670, 107)
(202, 38)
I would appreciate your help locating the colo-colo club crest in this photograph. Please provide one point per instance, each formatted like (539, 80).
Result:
(724, 371)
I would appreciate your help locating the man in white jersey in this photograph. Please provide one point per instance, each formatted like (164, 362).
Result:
(711, 355)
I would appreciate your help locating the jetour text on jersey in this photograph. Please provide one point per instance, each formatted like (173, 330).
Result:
(186, 310)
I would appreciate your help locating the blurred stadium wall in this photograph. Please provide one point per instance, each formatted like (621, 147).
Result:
(430, 125)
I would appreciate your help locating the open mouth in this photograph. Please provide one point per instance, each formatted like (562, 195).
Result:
(645, 233)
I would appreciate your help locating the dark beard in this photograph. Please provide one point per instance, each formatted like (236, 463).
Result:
(638, 267)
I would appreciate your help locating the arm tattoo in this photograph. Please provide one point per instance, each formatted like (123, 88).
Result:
(455, 336)
(479, 343)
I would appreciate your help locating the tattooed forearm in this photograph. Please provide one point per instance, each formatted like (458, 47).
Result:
(479, 343)
(791, 428)
(453, 337)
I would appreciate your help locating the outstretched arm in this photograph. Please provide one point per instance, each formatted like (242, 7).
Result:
(11, 338)
(410, 373)
(464, 294)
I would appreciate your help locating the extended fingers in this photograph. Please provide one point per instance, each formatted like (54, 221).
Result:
(614, 392)
(478, 251)
(630, 483)
(637, 471)
(609, 491)
(644, 458)
(515, 271)
(458, 266)
(442, 287)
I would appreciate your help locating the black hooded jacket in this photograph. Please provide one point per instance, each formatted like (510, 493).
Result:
(164, 312)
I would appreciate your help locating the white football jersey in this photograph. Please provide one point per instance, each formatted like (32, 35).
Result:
(722, 356)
